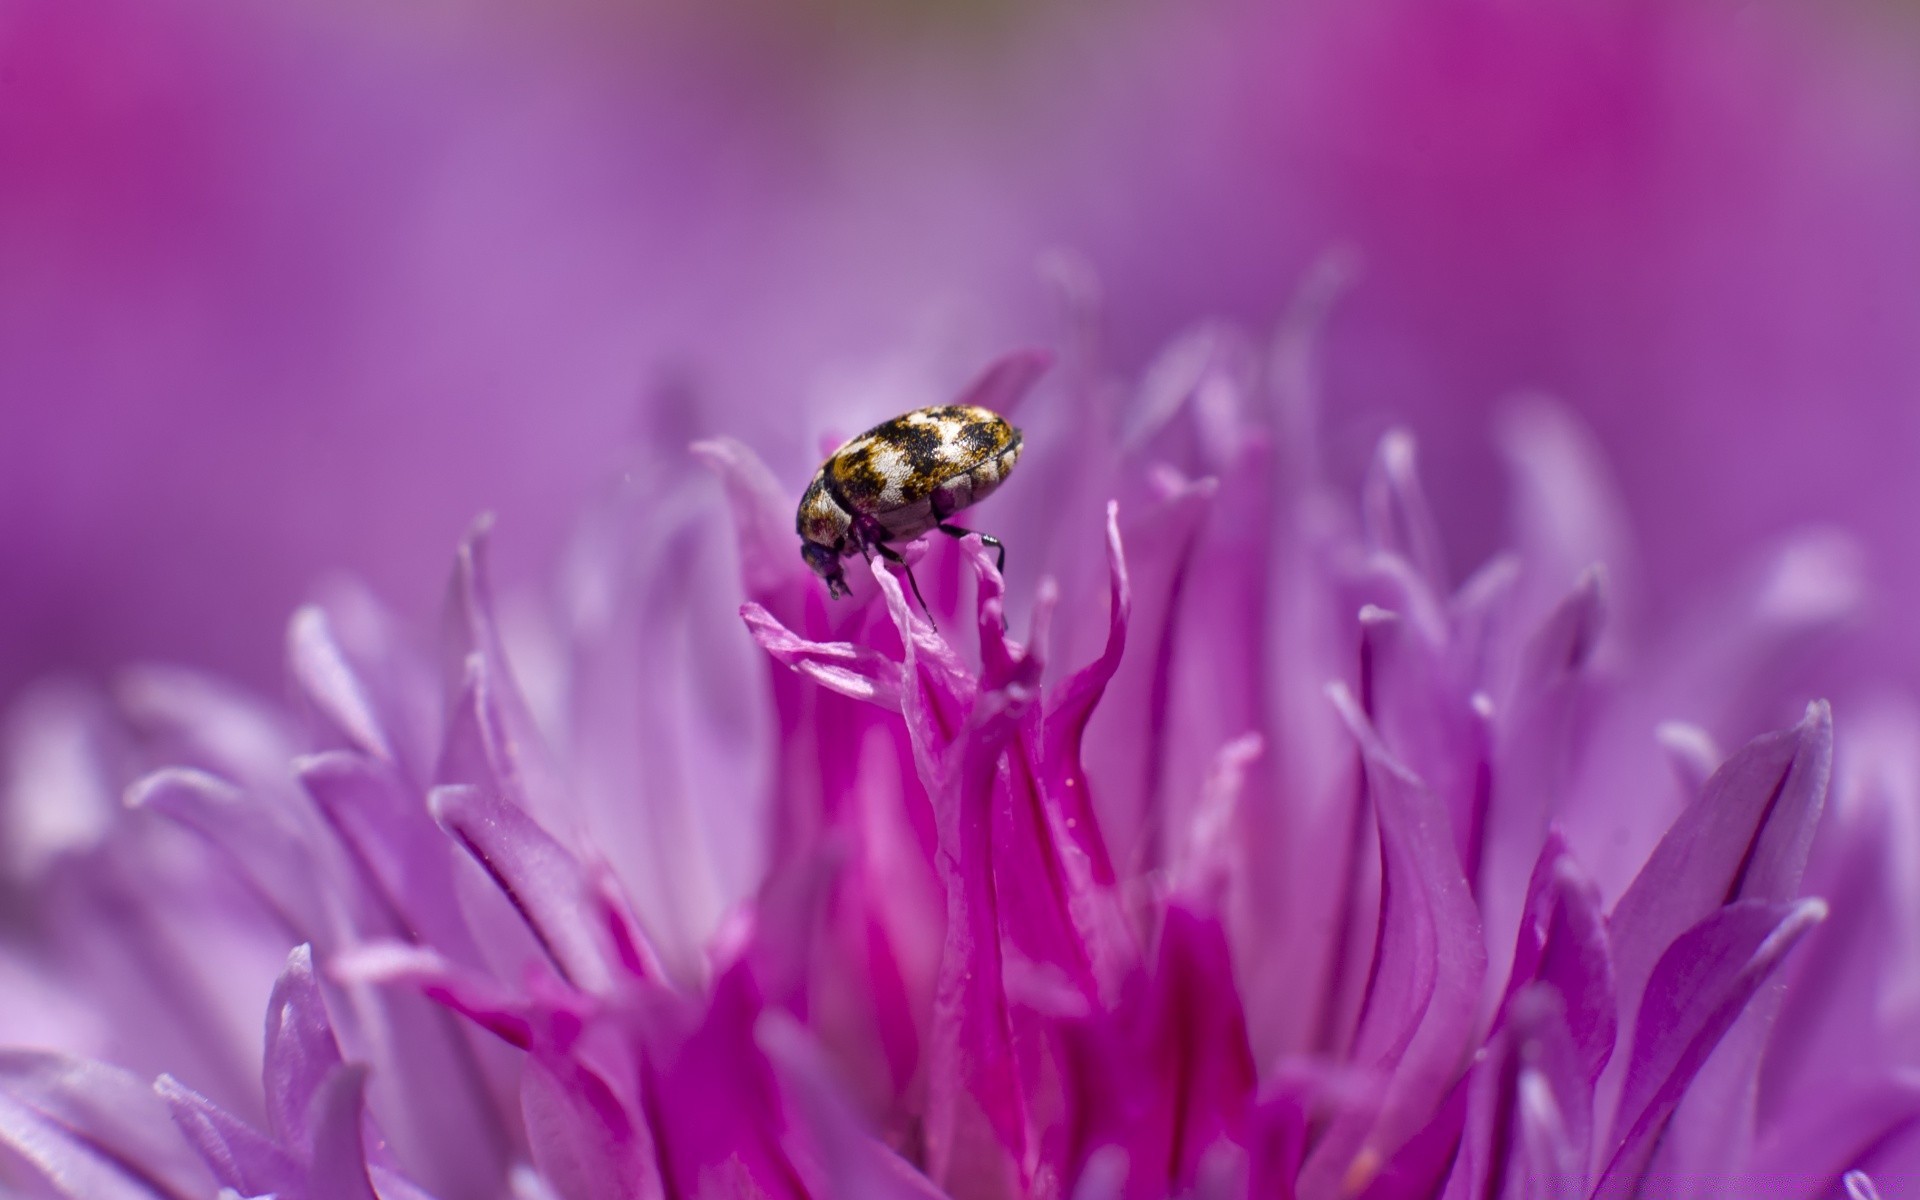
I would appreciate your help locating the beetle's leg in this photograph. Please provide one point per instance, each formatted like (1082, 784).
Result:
(1000, 551)
(893, 556)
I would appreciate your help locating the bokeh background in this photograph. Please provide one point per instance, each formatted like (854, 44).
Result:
(295, 288)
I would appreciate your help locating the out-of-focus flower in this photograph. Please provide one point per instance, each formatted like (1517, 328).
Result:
(1268, 859)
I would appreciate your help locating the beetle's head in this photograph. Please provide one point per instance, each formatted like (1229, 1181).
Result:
(825, 562)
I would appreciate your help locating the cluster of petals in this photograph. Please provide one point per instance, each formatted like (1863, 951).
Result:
(1264, 861)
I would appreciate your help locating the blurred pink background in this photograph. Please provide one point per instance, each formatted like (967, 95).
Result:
(290, 289)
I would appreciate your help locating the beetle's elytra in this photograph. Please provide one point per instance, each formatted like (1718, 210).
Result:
(902, 479)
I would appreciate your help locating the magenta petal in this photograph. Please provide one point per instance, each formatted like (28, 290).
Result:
(542, 878)
(301, 1049)
(844, 1158)
(1070, 705)
(239, 1156)
(93, 1111)
(339, 1166)
(976, 1109)
(1169, 1079)
(1695, 993)
(714, 1107)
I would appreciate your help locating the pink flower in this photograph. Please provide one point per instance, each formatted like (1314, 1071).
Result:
(1236, 843)
(1282, 884)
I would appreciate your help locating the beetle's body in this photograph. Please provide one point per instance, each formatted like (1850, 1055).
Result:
(900, 480)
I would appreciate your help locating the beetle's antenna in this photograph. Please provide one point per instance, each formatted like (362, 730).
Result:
(915, 585)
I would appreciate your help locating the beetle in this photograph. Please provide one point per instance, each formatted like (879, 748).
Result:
(900, 480)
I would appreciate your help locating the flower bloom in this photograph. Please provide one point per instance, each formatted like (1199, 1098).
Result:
(1231, 848)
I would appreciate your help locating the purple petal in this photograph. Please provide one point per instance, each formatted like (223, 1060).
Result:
(845, 1158)
(69, 1164)
(1563, 944)
(976, 1109)
(266, 848)
(1131, 734)
(58, 739)
(1419, 1007)
(321, 670)
(239, 1157)
(99, 1112)
(1205, 1065)
(762, 520)
(850, 670)
(492, 737)
(1529, 1127)
(363, 680)
(1070, 705)
(1695, 993)
(339, 1164)
(1565, 510)
(1398, 517)
(542, 879)
(392, 837)
(301, 1049)
(1006, 382)
(582, 1137)
(1745, 838)
(469, 993)
(200, 721)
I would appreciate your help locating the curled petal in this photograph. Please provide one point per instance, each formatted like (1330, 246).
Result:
(1070, 706)
(840, 666)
